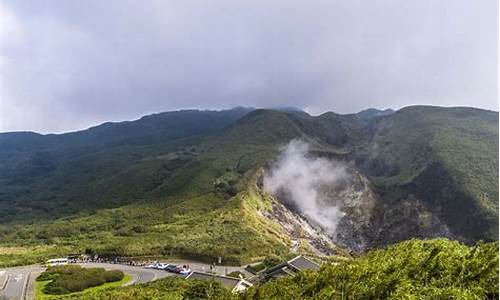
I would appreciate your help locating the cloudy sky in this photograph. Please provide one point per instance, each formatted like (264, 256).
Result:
(67, 65)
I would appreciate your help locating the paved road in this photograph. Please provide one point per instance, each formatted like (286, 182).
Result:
(139, 274)
(20, 280)
(17, 279)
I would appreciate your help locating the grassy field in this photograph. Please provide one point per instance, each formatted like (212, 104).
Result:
(229, 228)
(40, 285)
(16, 255)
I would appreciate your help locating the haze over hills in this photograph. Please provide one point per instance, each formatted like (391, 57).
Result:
(191, 183)
(366, 167)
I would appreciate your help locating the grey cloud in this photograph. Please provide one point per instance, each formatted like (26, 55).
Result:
(71, 64)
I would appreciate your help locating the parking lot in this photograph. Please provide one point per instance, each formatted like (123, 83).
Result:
(19, 282)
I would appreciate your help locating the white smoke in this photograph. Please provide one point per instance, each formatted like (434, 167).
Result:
(302, 181)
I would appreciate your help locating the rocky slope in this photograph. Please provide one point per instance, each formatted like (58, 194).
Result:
(186, 183)
(419, 172)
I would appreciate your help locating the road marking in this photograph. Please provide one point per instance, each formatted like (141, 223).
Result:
(31, 270)
(4, 284)
(25, 287)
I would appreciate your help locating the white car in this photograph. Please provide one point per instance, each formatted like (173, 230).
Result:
(162, 266)
(185, 271)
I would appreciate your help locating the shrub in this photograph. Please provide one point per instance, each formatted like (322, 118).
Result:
(236, 274)
(73, 278)
(53, 272)
(255, 268)
(113, 275)
(207, 290)
(271, 260)
(124, 231)
(55, 290)
(434, 269)
(139, 229)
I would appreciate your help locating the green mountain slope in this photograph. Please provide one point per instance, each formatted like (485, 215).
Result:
(189, 183)
(105, 166)
(206, 209)
(445, 159)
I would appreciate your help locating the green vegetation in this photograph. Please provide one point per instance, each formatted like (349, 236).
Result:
(445, 158)
(190, 229)
(255, 268)
(169, 288)
(236, 274)
(269, 261)
(40, 285)
(416, 269)
(186, 184)
(16, 255)
(187, 215)
(59, 280)
(103, 167)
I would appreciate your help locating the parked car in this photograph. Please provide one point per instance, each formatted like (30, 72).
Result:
(173, 269)
(157, 266)
(150, 266)
(185, 271)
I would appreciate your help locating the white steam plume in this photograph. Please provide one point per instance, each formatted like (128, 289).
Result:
(302, 182)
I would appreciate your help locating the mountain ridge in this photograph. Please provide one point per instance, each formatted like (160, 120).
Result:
(196, 177)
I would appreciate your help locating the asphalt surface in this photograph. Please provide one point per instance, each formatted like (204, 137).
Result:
(17, 279)
(20, 280)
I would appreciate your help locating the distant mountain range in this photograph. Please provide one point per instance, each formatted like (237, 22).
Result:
(189, 183)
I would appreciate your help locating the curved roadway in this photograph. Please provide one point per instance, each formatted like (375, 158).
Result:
(18, 282)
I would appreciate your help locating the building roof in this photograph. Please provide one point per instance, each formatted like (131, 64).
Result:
(290, 268)
(301, 263)
(229, 282)
(281, 271)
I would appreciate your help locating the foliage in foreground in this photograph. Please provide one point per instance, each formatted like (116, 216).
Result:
(73, 278)
(416, 269)
(169, 288)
